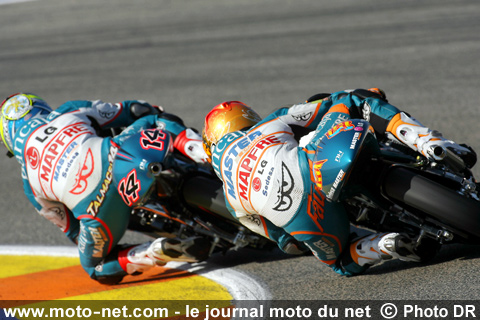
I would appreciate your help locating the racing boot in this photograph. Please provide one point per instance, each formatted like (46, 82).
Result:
(140, 258)
(136, 260)
(193, 249)
(377, 247)
(295, 247)
(424, 140)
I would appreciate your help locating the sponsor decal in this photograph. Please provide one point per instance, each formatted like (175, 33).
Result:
(257, 184)
(86, 170)
(339, 156)
(315, 208)
(20, 140)
(100, 239)
(263, 164)
(359, 126)
(53, 149)
(268, 181)
(33, 157)
(328, 117)
(338, 179)
(229, 155)
(153, 139)
(82, 239)
(317, 173)
(66, 161)
(99, 267)
(248, 163)
(62, 221)
(95, 205)
(324, 121)
(287, 184)
(254, 219)
(327, 248)
(56, 215)
(107, 114)
(344, 126)
(355, 138)
(46, 132)
(366, 110)
(302, 117)
(107, 111)
(129, 187)
(341, 118)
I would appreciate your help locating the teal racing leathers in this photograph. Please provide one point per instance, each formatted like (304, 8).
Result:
(67, 174)
(268, 178)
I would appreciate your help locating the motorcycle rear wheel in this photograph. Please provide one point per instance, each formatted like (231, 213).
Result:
(435, 200)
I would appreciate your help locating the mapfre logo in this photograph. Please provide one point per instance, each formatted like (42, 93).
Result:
(33, 157)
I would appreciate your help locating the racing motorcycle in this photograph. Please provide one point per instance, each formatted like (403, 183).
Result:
(384, 186)
(172, 196)
(387, 187)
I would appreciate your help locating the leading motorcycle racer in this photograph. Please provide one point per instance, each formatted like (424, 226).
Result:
(66, 169)
(267, 175)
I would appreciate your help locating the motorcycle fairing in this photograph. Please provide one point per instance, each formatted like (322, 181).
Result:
(138, 163)
(336, 154)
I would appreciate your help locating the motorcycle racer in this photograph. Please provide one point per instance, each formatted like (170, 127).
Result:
(66, 167)
(268, 181)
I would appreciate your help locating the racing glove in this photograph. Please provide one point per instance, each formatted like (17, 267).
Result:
(190, 144)
(424, 140)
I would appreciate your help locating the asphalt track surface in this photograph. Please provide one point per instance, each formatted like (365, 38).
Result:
(191, 55)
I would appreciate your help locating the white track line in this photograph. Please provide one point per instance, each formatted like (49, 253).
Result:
(240, 285)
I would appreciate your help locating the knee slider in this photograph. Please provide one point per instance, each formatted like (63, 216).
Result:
(109, 280)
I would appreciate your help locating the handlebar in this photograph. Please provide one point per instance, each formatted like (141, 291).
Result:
(447, 157)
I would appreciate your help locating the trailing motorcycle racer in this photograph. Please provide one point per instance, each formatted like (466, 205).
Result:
(66, 167)
(271, 183)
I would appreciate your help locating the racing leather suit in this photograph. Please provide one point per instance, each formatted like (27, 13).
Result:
(67, 174)
(267, 177)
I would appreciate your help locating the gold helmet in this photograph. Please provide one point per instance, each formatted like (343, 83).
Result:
(228, 116)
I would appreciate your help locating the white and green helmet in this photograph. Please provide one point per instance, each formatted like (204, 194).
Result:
(16, 110)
